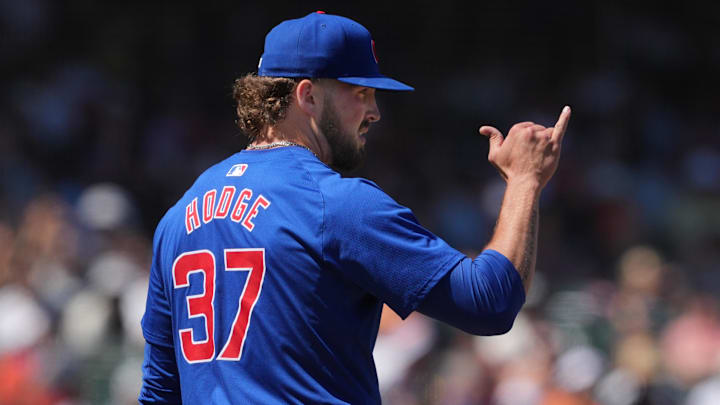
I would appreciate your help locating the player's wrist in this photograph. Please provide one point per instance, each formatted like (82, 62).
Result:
(526, 185)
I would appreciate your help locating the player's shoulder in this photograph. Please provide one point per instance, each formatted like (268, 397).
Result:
(327, 180)
(354, 198)
(335, 186)
(350, 188)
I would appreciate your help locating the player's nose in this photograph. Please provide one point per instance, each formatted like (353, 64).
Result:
(373, 113)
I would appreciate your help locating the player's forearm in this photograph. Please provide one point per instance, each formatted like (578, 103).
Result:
(516, 232)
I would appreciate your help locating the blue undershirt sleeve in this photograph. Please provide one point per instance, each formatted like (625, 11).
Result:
(161, 383)
(481, 296)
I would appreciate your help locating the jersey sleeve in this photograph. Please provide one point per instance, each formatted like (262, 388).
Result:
(379, 244)
(160, 380)
(481, 296)
(157, 321)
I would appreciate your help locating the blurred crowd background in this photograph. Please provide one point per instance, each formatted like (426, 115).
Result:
(109, 110)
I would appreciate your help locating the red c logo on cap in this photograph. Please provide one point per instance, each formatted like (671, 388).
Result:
(372, 43)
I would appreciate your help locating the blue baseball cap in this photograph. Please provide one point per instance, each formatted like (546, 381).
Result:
(328, 46)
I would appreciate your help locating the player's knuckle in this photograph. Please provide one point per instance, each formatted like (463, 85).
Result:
(517, 126)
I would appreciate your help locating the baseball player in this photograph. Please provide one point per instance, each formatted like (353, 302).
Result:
(269, 275)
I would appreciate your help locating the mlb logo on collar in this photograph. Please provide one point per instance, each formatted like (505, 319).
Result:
(237, 170)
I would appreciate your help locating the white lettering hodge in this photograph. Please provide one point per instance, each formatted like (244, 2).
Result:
(217, 206)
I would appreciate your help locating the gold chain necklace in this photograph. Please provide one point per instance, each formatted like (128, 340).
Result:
(279, 144)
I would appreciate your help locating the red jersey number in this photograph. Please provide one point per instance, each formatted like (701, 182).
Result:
(252, 260)
(202, 305)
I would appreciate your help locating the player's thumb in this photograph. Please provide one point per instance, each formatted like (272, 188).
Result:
(494, 136)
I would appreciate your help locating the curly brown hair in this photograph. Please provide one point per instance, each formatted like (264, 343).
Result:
(261, 101)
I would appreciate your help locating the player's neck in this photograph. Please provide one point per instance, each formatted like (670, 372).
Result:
(303, 132)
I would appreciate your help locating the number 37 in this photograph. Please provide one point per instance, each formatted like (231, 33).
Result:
(202, 305)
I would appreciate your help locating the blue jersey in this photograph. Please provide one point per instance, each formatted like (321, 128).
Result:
(269, 275)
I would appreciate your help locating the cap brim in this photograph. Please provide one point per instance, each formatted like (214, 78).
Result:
(382, 83)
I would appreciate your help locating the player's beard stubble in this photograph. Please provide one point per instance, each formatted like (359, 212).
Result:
(347, 152)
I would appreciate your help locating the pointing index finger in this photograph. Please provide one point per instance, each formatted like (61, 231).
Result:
(561, 125)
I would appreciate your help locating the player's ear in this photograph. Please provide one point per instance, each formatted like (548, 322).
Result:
(309, 97)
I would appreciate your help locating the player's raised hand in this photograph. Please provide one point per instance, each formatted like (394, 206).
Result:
(530, 152)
